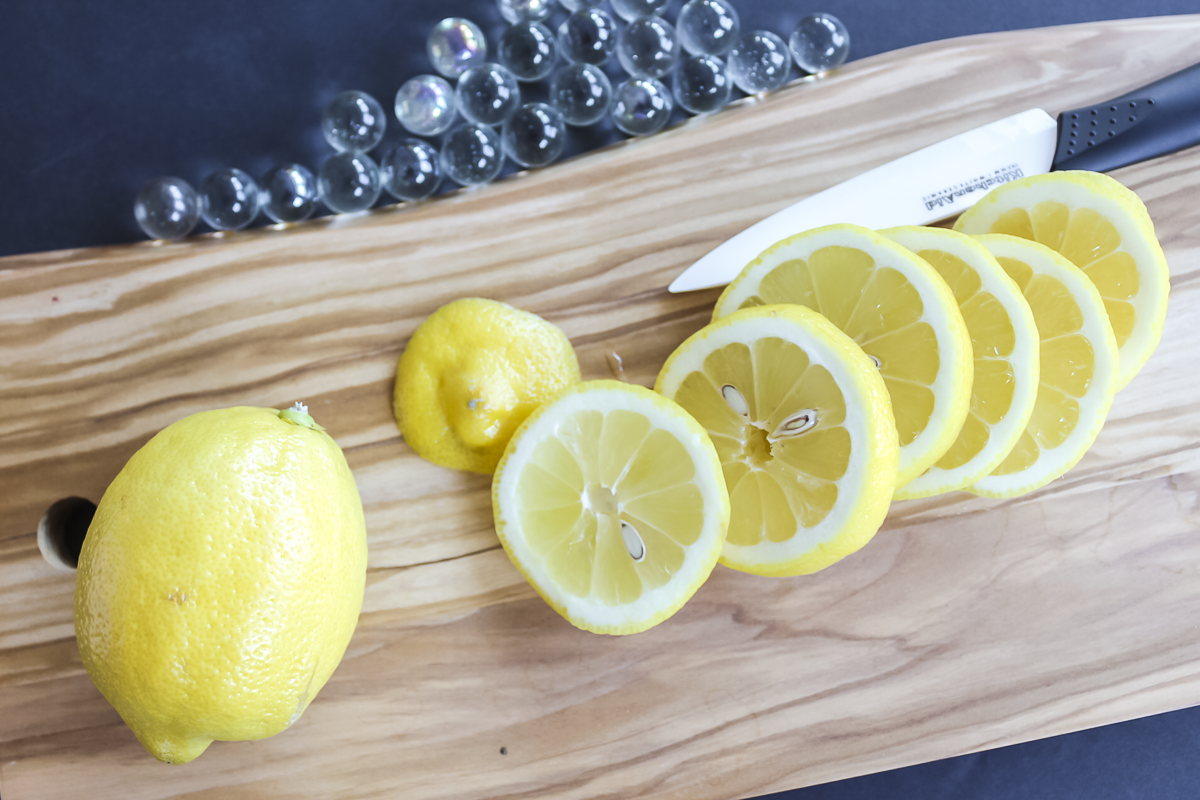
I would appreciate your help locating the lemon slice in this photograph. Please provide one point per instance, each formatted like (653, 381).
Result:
(1104, 229)
(895, 307)
(1004, 341)
(1078, 372)
(609, 499)
(803, 427)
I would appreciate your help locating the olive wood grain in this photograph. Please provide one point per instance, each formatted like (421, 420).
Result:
(966, 624)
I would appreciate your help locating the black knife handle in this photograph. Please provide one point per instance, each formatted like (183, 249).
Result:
(1157, 119)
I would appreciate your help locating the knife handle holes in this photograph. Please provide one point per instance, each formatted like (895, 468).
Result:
(61, 531)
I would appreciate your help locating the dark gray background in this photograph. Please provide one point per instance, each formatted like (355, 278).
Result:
(97, 98)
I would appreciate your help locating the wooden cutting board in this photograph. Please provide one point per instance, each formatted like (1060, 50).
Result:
(966, 624)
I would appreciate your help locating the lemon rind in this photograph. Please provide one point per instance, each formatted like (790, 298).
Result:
(654, 605)
(1108, 196)
(1004, 435)
(874, 442)
(951, 388)
(1095, 404)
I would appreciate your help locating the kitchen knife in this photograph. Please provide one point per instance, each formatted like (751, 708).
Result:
(947, 178)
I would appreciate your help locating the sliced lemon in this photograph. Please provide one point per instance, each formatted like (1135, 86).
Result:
(1104, 229)
(1004, 341)
(895, 306)
(610, 500)
(1078, 367)
(803, 427)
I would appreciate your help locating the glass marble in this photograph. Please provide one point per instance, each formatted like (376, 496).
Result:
(707, 27)
(349, 182)
(411, 170)
(529, 50)
(701, 84)
(819, 43)
(167, 208)
(582, 93)
(759, 62)
(471, 155)
(289, 193)
(630, 10)
(353, 121)
(524, 10)
(488, 94)
(455, 45)
(426, 106)
(575, 5)
(229, 199)
(648, 47)
(535, 135)
(641, 106)
(588, 36)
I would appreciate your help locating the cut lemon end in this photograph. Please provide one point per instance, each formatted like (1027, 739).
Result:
(1005, 348)
(895, 307)
(611, 502)
(1104, 229)
(803, 429)
(1078, 371)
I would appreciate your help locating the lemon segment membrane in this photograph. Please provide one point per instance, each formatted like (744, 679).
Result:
(610, 501)
(1005, 348)
(895, 307)
(803, 429)
(1078, 372)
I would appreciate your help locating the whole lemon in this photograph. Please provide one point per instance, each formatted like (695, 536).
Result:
(221, 578)
(470, 375)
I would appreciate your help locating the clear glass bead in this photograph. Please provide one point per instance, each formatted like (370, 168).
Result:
(471, 155)
(411, 170)
(648, 47)
(535, 135)
(289, 193)
(488, 94)
(630, 10)
(529, 50)
(455, 45)
(353, 121)
(426, 106)
(229, 199)
(641, 106)
(707, 27)
(582, 93)
(819, 43)
(167, 208)
(524, 10)
(349, 182)
(588, 36)
(759, 62)
(575, 5)
(702, 84)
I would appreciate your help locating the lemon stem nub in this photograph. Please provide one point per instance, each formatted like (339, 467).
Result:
(298, 415)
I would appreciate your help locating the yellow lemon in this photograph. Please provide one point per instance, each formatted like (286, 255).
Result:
(803, 427)
(895, 306)
(471, 373)
(1004, 342)
(1078, 369)
(1104, 229)
(221, 578)
(610, 501)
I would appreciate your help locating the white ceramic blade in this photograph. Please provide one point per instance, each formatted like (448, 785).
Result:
(933, 183)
